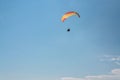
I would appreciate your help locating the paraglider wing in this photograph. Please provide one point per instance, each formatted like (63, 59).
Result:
(68, 14)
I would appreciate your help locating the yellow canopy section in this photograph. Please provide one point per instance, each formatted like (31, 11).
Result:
(68, 14)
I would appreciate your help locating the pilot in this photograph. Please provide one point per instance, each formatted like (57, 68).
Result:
(68, 29)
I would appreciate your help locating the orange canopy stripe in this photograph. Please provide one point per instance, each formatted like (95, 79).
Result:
(68, 14)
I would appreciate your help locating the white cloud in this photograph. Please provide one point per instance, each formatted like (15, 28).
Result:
(110, 58)
(71, 78)
(115, 75)
(116, 71)
(116, 58)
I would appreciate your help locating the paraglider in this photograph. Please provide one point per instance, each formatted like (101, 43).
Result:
(69, 14)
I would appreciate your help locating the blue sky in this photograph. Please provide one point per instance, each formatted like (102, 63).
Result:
(35, 45)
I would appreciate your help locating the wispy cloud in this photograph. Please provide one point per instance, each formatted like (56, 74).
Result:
(114, 75)
(110, 58)
(118, 63)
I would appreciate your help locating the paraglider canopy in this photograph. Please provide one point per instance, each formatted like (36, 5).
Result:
(69, 14)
